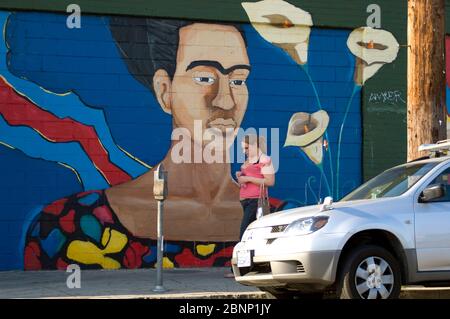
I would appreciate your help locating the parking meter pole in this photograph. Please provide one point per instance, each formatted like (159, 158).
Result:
(159, 263)
(160, 191)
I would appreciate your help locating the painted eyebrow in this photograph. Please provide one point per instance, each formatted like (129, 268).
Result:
(218, 66)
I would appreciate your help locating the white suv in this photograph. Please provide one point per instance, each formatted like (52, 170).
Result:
(391, 231)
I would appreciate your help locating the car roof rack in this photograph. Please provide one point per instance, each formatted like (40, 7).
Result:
(439, 149)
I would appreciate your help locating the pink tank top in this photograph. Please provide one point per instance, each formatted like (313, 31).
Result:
(250, 190)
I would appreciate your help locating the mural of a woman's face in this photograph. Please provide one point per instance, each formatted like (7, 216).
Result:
(209, 80)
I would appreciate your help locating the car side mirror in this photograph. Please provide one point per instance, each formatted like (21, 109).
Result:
(432, 192)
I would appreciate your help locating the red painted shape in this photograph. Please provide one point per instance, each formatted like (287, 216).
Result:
(187, 258)
(133, 255)
(17, 110)
(31, 256)
(61, 264)
(274, 202)
(67, 222)
(103, 214)
(56, 207)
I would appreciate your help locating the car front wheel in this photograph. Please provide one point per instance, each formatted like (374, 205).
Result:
(369, 272)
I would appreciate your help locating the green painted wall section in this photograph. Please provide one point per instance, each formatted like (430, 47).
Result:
(344, 13)
(384, 96)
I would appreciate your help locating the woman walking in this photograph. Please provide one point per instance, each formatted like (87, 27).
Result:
(256, 175)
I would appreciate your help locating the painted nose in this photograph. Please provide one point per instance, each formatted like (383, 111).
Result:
(224, 99)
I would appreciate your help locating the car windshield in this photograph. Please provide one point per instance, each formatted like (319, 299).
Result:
(391, 183)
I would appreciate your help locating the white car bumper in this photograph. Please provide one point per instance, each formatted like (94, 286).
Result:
(289, 261)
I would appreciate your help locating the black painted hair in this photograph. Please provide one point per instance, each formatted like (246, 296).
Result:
(147, 44)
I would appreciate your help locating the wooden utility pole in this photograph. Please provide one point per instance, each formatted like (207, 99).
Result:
(426, 74)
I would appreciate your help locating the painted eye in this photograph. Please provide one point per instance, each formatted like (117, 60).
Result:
(237, 82)
(204, 79)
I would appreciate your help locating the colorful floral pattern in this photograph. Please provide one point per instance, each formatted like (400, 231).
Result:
(83, 229)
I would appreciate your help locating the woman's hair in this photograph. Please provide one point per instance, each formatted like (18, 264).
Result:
(147, 44)
(259, 141)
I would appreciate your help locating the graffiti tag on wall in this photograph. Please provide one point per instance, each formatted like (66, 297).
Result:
(387, 97)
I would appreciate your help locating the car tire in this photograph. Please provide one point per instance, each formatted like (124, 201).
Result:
(369, 272)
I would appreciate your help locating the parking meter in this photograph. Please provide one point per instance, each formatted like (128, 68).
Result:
(160, 192)
(160, 183)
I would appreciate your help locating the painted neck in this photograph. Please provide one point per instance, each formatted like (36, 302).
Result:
(207, 168)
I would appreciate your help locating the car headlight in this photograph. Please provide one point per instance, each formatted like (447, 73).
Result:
(306, 226)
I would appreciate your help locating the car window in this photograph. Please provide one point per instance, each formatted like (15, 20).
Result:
(392, 182)
(443, 179)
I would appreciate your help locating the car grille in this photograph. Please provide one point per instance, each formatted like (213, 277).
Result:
(278, 228)
(262, 268)
(270, 240)
(256, 268)
(300, 267)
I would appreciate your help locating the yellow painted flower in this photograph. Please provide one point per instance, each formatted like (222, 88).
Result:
(373, 49)
(205, 250)
(88, 253)
(283, 25)
(306, 131)
(167, 263)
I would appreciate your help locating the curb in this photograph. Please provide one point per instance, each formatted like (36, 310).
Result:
(413, 292)
(420, 292)
(216, 295)
(194, 295)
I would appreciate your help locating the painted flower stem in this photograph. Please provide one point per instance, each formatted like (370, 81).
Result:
(319, 104)
(356, 88)
(320, 166)
(312, 179)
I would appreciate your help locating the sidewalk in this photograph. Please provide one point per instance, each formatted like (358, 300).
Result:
(180, 283)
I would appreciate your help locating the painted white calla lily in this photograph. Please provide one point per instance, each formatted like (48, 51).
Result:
(373, 48)
(306, 131)
(283, 25)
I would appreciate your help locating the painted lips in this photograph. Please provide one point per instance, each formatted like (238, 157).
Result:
(222, 124)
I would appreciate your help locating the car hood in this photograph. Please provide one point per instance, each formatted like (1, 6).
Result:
(362, 208)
